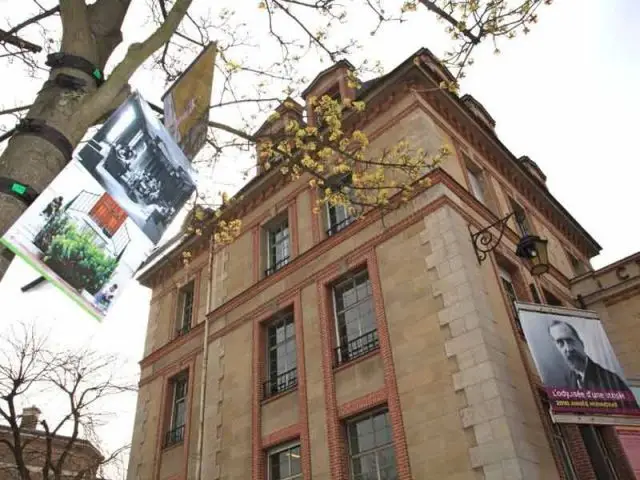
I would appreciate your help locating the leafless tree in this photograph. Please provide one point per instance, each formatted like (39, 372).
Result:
(261, 58)
(80, 381)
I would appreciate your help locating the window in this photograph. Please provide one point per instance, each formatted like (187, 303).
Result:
(559, 443)
(476, 183)
(578, 267)
(521, 219)
(178, 410)
(284, 463)
(371, 452)
(281, 355)
(338, 216)
(334, 94)
(355, 320)
(185, 309)
(508, 286)
(534, 293)
(277, 246)
(551, 299)
(598, 452)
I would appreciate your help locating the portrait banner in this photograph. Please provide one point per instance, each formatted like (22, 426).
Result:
(90, 230)
(576, 362)
(186, 103)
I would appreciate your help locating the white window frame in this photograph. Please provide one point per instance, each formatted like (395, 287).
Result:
(184, 322)
(280, 449)
(270, 229)
(375, 450)
(476, 184)
(351, 275)
(270, 377)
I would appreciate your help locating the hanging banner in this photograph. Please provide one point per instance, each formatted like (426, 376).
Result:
(186, 103)
(574, 358)
(93, 226)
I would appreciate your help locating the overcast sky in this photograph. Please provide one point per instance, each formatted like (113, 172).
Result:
(565, 95)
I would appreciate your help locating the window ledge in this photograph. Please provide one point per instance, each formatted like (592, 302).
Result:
(361, 358)
(272, 398)
(166, 448)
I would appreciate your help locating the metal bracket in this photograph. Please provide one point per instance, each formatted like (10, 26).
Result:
(484, 241)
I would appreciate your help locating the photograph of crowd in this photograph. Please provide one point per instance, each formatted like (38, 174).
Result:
(140, 165)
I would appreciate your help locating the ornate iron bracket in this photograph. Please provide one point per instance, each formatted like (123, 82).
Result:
(484, 241)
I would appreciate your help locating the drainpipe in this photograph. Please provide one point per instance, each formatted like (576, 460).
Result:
(205, 357)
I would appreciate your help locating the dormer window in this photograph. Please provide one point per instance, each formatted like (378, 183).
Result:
(334, 94)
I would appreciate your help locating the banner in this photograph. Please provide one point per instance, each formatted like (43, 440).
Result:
(186, 103)
(576, 362)
(93, 226)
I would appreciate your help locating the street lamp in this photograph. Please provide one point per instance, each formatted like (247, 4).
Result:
(530, 247)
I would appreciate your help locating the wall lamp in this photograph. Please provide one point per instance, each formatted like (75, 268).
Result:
(530, 247)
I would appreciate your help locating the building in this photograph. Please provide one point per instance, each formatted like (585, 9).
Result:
(82, 462)
(375, 349)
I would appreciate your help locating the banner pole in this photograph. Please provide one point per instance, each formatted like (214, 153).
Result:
(205, 358)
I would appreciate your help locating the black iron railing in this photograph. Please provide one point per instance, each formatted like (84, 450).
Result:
(336, 227)
(280, 383)
(174, 436)
(357, 347)
(276, 266)
(183, 330)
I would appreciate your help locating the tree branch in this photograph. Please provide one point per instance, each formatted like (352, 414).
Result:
(97, 104)
(35, 19)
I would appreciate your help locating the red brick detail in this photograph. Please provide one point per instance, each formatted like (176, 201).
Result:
(334, 437)
(165, 415)
(287, 434)
(257, 458)
(256, 253)
(293, 226)
(257, 376)
(362, 404)
(393, 398)
(578, 452)
(620, 460)
(315, 218)
(303, 407)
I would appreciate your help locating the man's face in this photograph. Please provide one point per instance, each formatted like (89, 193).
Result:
(570, 346)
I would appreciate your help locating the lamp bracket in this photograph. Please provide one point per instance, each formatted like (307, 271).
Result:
(484, 241)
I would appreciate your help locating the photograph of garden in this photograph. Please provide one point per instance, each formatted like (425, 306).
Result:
(78, 237)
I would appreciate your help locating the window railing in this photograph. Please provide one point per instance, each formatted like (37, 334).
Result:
(276, 266)
(336, 227)
(183, 330)
(174, 436)
(280, 383)
(357, 347)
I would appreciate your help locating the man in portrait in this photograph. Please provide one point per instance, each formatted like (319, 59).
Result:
(584, 373)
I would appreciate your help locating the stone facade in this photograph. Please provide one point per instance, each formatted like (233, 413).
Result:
(450, 366)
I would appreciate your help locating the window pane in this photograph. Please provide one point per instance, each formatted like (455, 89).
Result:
(294, 454)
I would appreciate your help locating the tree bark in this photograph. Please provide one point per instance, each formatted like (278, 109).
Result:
(91, 32)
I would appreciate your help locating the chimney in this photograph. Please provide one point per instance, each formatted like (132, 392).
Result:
(30, 416)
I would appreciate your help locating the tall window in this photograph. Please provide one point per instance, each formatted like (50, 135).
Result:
(559, 442)
(578, 267)
(522, 222)
(355, 319)
(185, 308)
(508, 286)
(284, 463)
(338, 216)
(371, 448)
(277, 246)
(476, 183)
(598, 452)
(551, 299)
(281, 353)
(175, 433)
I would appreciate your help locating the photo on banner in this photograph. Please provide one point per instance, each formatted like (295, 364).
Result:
(77, 236)
(90, 230)
(140, 165)
(186, 103)
(576, 362)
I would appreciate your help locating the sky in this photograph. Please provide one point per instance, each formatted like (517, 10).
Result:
(565, 95)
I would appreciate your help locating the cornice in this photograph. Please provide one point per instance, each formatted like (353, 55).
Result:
(438, 176)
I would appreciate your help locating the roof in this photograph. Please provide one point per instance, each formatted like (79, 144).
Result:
(78, 442)
(335, 66)
(367, 88)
